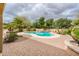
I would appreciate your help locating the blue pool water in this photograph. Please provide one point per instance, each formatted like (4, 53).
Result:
(41, 33)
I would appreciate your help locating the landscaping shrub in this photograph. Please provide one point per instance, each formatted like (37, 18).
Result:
(65, 31)
(11, 36)
(75, 33)
(68, 31)
(31, 29)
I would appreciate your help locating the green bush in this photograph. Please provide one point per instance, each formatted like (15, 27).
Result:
(75, 33)
(68, 31)
(11, 36)
(31, 29)
(65, 31)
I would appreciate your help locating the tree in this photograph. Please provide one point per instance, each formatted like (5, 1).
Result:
(20, 23)
(75, 22)
(49, 23)
(41, 21)
(36, 24)
(63, 23)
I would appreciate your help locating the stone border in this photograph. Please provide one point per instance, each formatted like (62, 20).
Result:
(71, 46)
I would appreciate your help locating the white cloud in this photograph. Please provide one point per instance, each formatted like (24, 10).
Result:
(34, 11)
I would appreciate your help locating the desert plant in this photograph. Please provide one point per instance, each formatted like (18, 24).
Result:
(75, 33)
(75, 22)
(11, 36)
(65, 31)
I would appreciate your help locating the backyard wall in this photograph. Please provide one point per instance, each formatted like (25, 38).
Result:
(1, 11)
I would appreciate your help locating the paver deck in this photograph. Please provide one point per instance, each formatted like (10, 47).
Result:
(29, 47)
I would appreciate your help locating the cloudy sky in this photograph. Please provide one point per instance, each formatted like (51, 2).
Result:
(36, 10)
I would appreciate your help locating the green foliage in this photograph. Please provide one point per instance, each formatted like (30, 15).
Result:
(75, 22)
(75, 33)
(19, 23)
(49, 23)
(4, 25)
(41, 22)
(31, 29)
(65, 31)
(62, 23)
(11, 36)
(36, 24)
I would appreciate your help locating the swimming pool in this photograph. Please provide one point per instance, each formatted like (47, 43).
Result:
(48, 34)
(44, 35)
